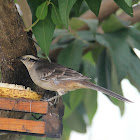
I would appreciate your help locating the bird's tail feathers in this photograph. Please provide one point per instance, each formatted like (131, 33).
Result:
(90, 85)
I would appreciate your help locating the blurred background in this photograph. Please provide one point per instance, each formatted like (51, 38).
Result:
(108, 124)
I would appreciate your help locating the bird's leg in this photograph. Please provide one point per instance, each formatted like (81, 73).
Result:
(57, 99)
(52, 98)
(60, 93)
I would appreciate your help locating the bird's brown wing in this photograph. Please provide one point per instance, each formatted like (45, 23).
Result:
(52, 71)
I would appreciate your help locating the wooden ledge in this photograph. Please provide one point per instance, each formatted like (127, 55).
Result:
(50, 126)
(23, 126)
(24, 105)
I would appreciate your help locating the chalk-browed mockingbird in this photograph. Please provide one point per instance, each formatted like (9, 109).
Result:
(54, 77)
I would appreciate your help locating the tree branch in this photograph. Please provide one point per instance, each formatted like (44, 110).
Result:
(135, 18)
(26, 12)
(107, 8)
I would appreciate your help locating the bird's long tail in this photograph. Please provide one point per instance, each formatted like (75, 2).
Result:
(90, 85)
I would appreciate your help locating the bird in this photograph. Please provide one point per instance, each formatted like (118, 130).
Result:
(55, 77)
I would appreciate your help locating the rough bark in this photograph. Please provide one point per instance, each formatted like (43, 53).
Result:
(13, 43)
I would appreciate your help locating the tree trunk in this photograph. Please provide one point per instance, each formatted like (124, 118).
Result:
(13, 43)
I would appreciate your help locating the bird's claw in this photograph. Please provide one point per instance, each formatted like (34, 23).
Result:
(49, 101)
(45, 100)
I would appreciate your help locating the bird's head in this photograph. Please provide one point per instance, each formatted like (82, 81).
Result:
(28, 60)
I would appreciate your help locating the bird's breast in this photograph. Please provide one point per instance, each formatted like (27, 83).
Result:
(63, 85)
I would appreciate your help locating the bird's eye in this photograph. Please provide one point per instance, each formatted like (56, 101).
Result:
(28, 58)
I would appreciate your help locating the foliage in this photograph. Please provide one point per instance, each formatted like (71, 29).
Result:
(106, 57)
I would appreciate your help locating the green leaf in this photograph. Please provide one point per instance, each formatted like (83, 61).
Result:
(44, 29)
(60, 32)
(92, 24)
(43, 32)
(89, 57)
(121, 58)
(76, 23)
(116, 87)
(33, 6)
(137, 26)
(76, 122)
(135, 1)
(65, 7)
(89, 69)
(129, 2)
(66, 131)
(134, 71)
(55, 15)
(90, 103)
(77, 6)
(67, 111)
(119, 50)
(27, 137)
(108, 24)
(86, 35)
(108, 78)
(71, 56)
(75, 99)
(66, 39)
(123, 5)
(66, 99)
(42, 11)
(94, 6)
(97, 51)
(133, 39)
(104, 70)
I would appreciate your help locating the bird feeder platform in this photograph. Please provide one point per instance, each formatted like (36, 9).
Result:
(18, 98)
(45, 128)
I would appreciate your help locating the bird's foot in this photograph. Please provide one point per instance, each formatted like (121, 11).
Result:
(55, 98)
